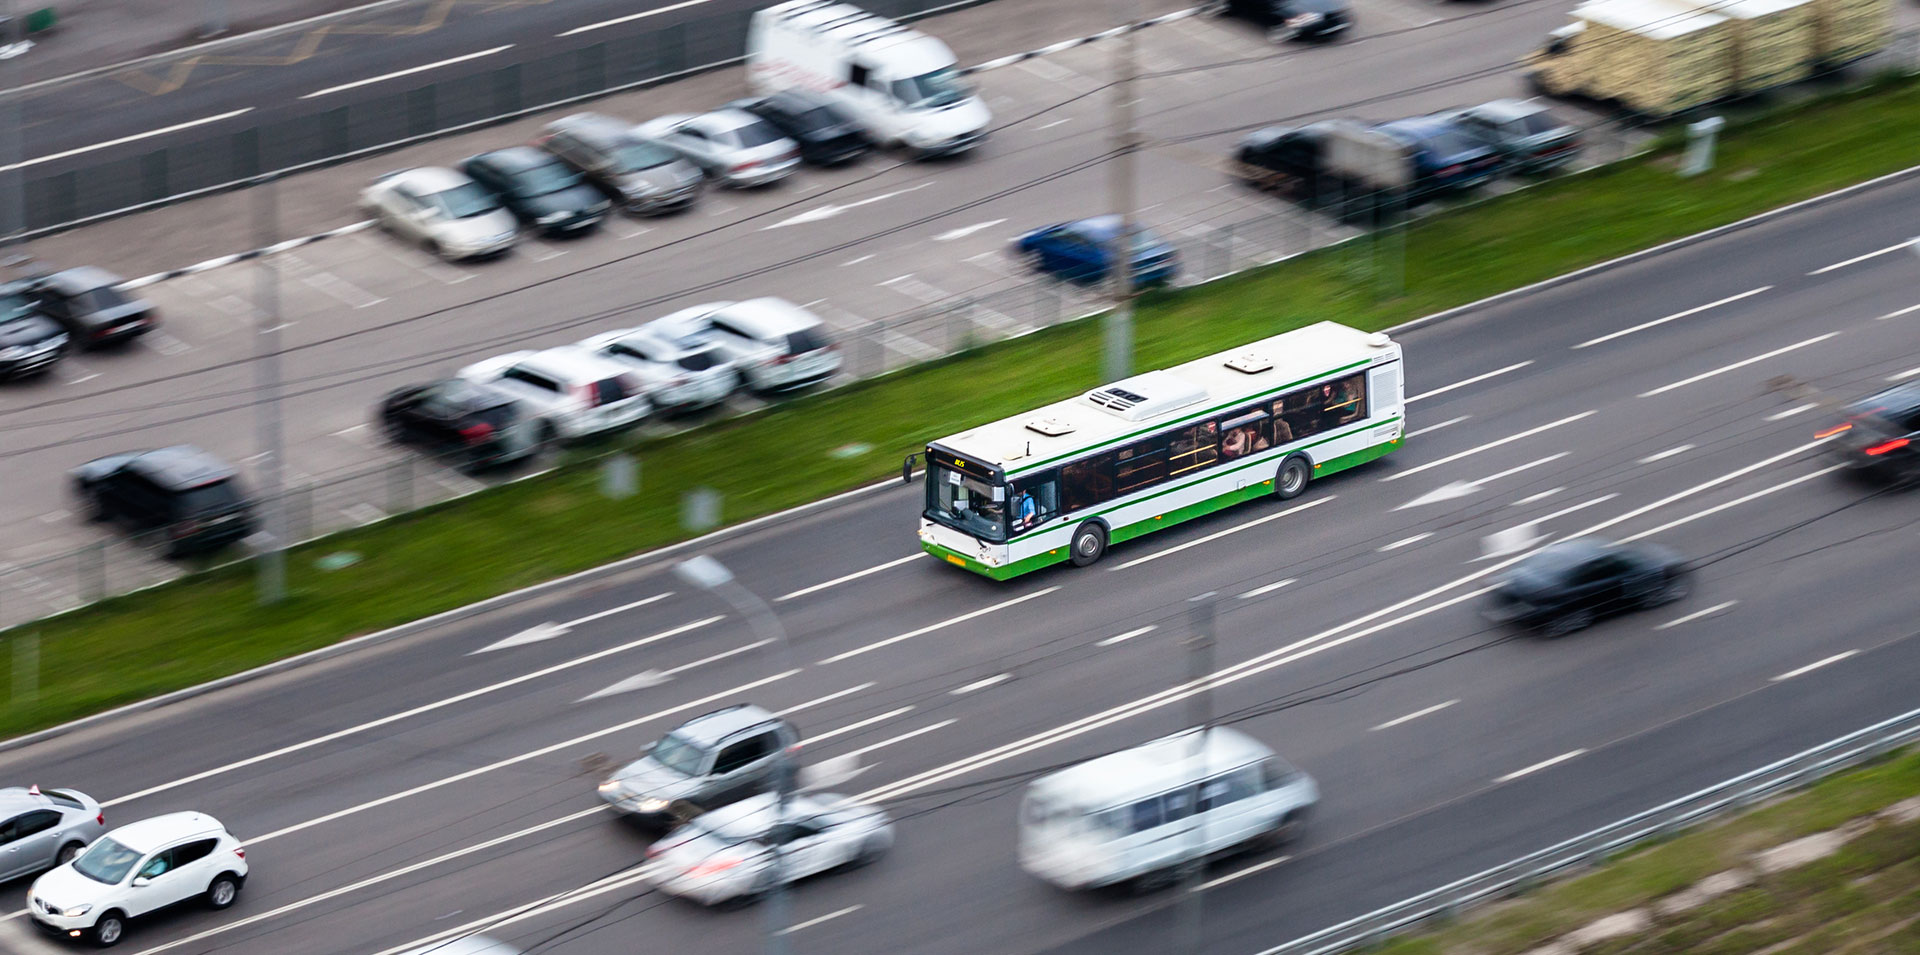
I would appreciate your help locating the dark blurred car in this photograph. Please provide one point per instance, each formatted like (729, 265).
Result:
(1445, 158)
(1880, 436)
(643, 175)
(1081, 251)
(95, 312)
(1297, 19)
(193, 498)
(1565, 587)
(477, 425)
(29, 342)
(826, 134)
(1528, 138)
(539, 189)
(1287, 159)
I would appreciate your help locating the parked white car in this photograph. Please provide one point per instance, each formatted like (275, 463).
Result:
(679, 374)
(443, 210)
(569, 391)
(733, 146)
(139, 869)
(774, 344)
(726, 855)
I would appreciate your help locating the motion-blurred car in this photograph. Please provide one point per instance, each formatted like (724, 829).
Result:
(1082, 251)
(539, 189)
(568, 392)
(192, 499)
(1445, 158)
(643, 175)
(735, 147)
(40, 829)
(1528, 137)
(1296, 19)
(827, 134)
(1564, 587)
(448, 213)
(29, 342)
(478, 426)
(136, 870)
(1879, 438)
(726, 855)
(708, 761)
(679, 375)
(772, 343)
(89, 303)
(1289, 160)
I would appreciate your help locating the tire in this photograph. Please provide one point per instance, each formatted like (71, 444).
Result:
(1286, 832)
(434, 249)
(1034, 261)
(95, 508)
(1157, 880)
(1567, 623)
(222, 893)
(1292, 478)
(67, 852)
(1089, 544)
(390, 429)
(870, 852)
(108, 931)
(546, 441)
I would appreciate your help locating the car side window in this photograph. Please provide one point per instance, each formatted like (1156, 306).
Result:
(1597, 570)
(745, 752)
(9, 830)
(1145, 815)
(526, 377)
(856, 74)
(39, 820)
(192, 852)
(159, 865)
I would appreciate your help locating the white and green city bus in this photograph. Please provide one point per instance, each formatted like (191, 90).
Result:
(1065, 481)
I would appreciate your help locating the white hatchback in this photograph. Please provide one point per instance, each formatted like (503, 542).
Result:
(138, 869)
(774, 344)
(569, 391)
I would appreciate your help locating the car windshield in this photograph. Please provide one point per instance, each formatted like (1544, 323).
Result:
(208, 497)
(1448, 141)
(14, 305)
(821, 117)
(106, 861)
(466, 201)
(931, 90)
(678, 755)
(1537, 123)
(967, 503)
(634, 155)
(544, 179)
(97, 300)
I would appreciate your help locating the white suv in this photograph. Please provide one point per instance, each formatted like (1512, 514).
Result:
(569, 391)
(681, 374)
(775, 344)
(138, 869)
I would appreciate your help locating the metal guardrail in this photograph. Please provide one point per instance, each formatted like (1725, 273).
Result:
(1510, 877)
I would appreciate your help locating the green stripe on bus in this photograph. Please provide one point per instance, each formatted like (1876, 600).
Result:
(1014, 569)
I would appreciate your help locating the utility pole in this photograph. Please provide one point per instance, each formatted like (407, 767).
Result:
(272, 558)
(12, 127)
(1117, 360)
(1199, 644)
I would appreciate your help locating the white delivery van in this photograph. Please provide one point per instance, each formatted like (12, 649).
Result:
(901, 84)
(1141, 813)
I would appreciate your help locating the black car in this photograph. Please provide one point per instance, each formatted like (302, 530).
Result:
(826, 134)
(1879, 438)
(1288, 160)
(1296, 19)
(539, 189)
(190, 498)
(29, 342)
(1528, 137)
(1564, 587)
(89, 303)
(476, 425)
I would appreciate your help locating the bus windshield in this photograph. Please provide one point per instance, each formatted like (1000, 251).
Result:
(967, 503)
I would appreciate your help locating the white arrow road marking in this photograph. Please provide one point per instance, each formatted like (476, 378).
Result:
(965, 231)
(828, 211)
(534, 634)
(1445, 492)
(656, 677)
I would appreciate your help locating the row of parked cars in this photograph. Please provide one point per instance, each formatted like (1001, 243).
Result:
(46, 316)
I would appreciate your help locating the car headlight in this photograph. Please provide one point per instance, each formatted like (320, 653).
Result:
(613, 787)
(654, 804)
(79, 909)
(600, 206)
(1304, 20)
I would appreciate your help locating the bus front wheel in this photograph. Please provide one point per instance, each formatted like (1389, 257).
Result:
(1292, 478)
(1089, 543)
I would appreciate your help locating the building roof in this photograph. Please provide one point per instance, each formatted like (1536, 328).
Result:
(1117, 779)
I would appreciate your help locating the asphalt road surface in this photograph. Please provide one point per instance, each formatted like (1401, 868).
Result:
(434, 785)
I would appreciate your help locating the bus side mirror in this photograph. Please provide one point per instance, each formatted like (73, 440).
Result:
(906, 467)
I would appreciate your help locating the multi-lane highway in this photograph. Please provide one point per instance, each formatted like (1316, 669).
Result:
(433, 785)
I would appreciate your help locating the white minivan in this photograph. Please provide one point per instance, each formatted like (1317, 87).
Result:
(1141, 813)
(901, 84)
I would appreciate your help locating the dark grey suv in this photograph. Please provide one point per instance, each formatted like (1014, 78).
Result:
(708, 761)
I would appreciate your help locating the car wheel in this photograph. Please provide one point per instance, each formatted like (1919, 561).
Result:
(1292, 478)
(546, 441)
(391, 429)
(1573, 621)
(1285, 832)
(870, 852)
(107, 931)
(434, 249)
(223, 891)
(93, 505)
(1154, 881)
(1034, 261)
(1089, 544)
(67, 852)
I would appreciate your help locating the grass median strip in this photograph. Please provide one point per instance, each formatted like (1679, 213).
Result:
(207, 625)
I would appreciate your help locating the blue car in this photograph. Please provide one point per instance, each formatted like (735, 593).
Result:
(1081, 252)
(1445, 157)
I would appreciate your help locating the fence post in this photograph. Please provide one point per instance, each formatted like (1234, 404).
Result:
(873, 352)
(93, 572)
(400, 486)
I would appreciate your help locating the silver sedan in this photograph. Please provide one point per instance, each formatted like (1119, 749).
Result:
(446, 211)
(40, 829)
(733, 146)
(727, 855)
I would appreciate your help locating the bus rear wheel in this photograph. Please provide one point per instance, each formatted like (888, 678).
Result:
(1089, 544)
(1292, 478)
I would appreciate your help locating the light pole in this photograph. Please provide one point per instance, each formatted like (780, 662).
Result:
(1117, 357)
(272, 555)
(1199, 644)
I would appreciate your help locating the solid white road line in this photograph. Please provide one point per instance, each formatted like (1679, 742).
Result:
(851, 727)
(1583, 505)
(1861, 258)
(967, 230)
(856, 575)
(1543, 764)
(1129, 635)
(406, 714)
(830, 916)
(534, 909)
(1744, 362)
(1410, 717)
(1904, 375)
(929, 628)
(1429, 429)
(1530, 432)
(1809, 668)
(849, 691)
(1549, 459)
(903, 737)
(1786, 413)
(669, 8)
(1265, 589)
(623, 608)
(1533, 498)
(1697, 309)
(1663, 455)
(1697, 614)
(127, 139)
(1239, 874)
(977, 685)
(1896, 314)
(409, 71)
(1396, 545)
(1256, 522)
(1462, 384)
(1763, 492)
(653, 678)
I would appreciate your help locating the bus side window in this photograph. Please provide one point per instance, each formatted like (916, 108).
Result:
(1347, 402)
(1036, 501)
(1140, 464)
(1299, 413)
(1194, 448)
(1245, 431)
(1146, 815)
(1087, 482)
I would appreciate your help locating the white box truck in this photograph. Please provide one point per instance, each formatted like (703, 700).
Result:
(903, 85)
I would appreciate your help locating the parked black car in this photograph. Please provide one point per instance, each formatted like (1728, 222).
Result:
(88, 302)
(29, 342)
(1879, 439)
(1295, 19)
(1528, 138)
(474, 424)
(191, 498)
(827, 135)
(1565, 587)
(1290, 160)
(539, 189)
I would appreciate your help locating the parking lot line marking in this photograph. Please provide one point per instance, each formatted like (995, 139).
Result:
(1469, 381)
(1240, 873)
(1697, 614)
(1129, 635)
(1266, 589)
(1815, 665)
(966, 230)
(930, 628)
(616, 21)
(1509, 439)
(862, 724)
(1405, 541)
(1862, 258)
(910, 345)
(164, 343)
(1051, 125)
(1697, 309)
(1543, 764)
(1663, 455)
(1742, 363)
(1429, 429)
(409, 71)
(136, 137)
(636, 232)
(1786, 413)
(830, 916)
(1216, 535)
(1410, 717)
(856, 575)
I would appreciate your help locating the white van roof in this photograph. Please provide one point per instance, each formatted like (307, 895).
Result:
(870, 33)
(1125, 777)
